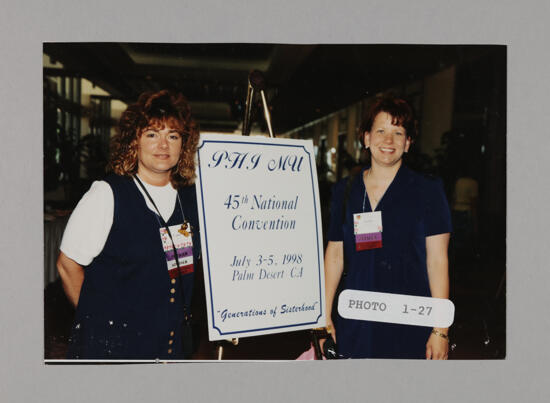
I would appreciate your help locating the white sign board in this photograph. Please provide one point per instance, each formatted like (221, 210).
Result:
(261, 235)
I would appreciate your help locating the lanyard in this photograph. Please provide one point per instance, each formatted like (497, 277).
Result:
(165, 225)
(365, 195)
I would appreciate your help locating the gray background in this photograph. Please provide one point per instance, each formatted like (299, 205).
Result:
(23, 28)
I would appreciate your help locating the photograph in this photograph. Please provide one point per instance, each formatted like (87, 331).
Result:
(274, 202)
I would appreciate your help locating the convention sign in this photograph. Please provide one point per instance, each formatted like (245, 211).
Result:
(261, 235)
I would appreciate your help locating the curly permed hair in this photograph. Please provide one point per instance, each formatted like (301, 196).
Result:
(156, 109)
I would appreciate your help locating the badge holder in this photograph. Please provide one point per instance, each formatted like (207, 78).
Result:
(367, 229)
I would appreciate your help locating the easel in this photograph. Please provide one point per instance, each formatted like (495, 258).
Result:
(256, 84)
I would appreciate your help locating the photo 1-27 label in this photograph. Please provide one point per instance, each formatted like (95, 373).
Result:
(396, 308)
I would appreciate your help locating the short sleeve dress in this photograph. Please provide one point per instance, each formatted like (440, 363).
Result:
(413, 208)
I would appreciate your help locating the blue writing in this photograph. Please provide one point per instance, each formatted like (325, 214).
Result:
(288, 162)
(234, 159)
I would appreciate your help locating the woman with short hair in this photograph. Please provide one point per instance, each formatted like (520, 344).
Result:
(406, 253)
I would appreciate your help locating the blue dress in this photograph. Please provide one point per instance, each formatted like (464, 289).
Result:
(129, 307)
(413, 207)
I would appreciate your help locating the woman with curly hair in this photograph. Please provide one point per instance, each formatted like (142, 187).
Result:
(132, 293)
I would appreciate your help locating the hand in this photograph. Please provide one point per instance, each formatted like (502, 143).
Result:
(437, 348)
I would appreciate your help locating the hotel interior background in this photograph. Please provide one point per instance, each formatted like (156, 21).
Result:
(315, 92)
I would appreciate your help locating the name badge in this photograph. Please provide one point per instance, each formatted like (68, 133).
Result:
(184, 248)
(367, 228)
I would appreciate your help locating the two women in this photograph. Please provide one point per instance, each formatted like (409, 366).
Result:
(399, 242)
(133, 293)
(118, 263)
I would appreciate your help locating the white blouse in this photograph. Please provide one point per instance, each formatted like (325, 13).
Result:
(89, 225)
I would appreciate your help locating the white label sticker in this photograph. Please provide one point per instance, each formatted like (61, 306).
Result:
(396, 308)
(367, 223)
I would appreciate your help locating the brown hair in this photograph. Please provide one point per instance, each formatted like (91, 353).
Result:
(400, 110)
(157, 109)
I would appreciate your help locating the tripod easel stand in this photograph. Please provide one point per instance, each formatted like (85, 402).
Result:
(256, 83)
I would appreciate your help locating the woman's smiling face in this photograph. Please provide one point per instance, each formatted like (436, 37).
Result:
(386, 141)
(159, 150)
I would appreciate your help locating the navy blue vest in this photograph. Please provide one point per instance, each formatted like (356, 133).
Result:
(129, 308)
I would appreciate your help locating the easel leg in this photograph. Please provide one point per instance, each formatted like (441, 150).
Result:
(234, 341)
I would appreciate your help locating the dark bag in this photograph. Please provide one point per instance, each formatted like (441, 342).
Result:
(330, 349)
